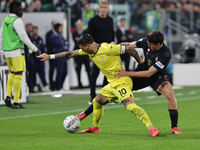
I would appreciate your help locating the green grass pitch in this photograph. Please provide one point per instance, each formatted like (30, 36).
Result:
(40, 126)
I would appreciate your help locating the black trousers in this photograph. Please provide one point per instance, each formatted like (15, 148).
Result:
(79, 61)
(93, 78)
(52, 67)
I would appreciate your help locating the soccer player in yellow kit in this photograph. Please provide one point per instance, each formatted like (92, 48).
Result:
(107, 58)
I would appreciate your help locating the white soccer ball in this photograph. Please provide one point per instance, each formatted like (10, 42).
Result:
(71, 124)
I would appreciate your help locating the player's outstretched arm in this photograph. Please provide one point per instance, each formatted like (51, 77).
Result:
(69, 54)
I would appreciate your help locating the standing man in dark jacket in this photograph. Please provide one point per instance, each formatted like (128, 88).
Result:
(100, 27)
(82, 59)
(38, 65)
(59, 44)
(50, 51)
(29, 56)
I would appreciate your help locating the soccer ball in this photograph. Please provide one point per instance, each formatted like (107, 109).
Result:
(71, 124)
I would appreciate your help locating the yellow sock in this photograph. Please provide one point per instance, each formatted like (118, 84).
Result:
(140, 113)
(97, 113)
(17, 87)
(10, 83)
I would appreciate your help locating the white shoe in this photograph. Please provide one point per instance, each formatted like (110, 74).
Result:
(114, 102)
(89, 103)
(45, 88)
(35, 89)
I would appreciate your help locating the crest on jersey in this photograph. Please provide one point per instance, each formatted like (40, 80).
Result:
(102, 57)
(148, 50)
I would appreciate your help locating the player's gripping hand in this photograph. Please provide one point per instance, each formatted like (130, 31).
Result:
(44, 57)
(37, 53)
(120, 73)
(125, 43)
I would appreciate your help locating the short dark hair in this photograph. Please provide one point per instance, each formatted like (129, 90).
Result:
(29, 24)
(155, 37)
(85, 39)
(35, 27)
(14, 5)
(56, 26)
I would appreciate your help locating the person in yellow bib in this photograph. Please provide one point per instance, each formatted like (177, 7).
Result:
(12, 39)
(107, 58)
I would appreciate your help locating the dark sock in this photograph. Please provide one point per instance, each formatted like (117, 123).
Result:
(89, 110)
(174, 117)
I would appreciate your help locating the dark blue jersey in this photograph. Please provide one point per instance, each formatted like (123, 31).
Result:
(159, 59)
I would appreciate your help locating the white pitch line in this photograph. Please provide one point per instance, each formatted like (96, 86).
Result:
(192, 92)
(79, 110)
(151, 97)
(46, 114)
(178, 94)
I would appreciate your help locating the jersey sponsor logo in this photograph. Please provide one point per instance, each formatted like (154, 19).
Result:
(7, 24)
(22, 52)
(166, 78)
(160, 65)
(149, 62)
(156, 59)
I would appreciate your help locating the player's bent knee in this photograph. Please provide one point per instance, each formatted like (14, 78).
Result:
(101, 99)
(96, 104)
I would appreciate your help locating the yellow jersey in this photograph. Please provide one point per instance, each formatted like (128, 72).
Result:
(108, 60)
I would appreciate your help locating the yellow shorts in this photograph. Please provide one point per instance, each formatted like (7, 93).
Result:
(120, 92)
(16, 64)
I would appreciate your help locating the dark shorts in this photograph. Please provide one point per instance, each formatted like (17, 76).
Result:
(153, 82)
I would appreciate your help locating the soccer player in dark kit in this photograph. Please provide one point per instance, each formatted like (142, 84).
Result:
(151, 73)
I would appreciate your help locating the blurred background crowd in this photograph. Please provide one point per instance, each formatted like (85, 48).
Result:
(179, 20)
(181, 11)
